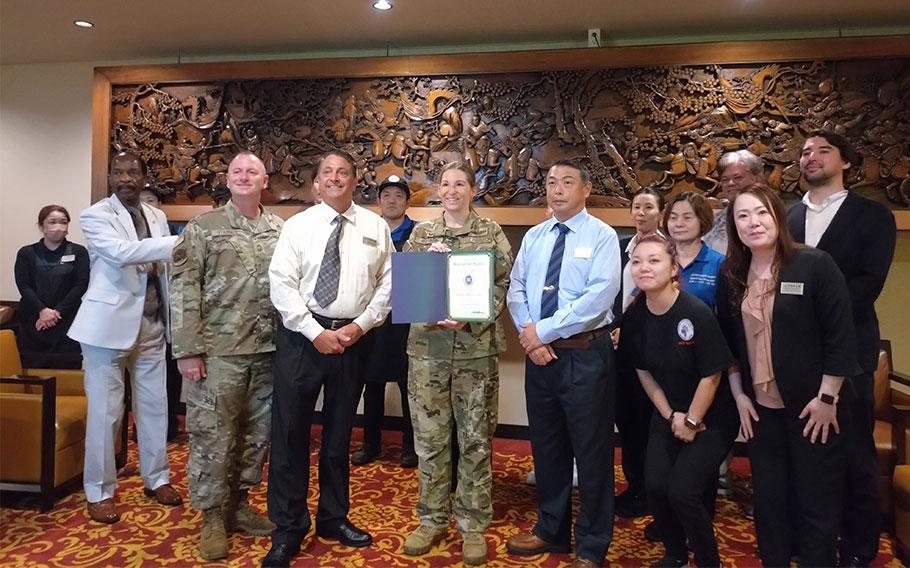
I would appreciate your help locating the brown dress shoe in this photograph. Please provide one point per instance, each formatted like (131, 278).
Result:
(584, 563)
(165, 494)
(529, 544)
(103, 512)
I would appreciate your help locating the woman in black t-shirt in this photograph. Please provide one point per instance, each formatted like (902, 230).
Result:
(52, 275)
(676, 346)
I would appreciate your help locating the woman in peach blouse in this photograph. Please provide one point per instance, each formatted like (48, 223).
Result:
(787, 313)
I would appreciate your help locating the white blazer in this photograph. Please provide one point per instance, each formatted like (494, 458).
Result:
(111, 309)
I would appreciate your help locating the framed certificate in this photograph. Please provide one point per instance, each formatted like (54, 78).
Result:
(469, 281)
(429, 286)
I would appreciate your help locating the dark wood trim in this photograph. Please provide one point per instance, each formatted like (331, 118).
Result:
(518, 61)
(101, 128)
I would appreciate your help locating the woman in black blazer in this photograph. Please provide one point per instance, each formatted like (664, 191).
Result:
(786, 310)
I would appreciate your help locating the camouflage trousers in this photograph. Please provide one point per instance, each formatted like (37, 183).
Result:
(466, 391)
(228, 415)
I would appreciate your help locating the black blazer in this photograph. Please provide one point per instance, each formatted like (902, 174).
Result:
(617, 302)
(861, 240)
(811, 332)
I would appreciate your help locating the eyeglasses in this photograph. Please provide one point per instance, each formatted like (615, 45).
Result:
(738, 178)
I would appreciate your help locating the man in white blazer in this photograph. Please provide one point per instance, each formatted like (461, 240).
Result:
(121, 324)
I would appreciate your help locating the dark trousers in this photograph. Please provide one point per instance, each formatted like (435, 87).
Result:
(861, 514)
(680, 478)
(633, 418)
(300, 373)
(374, 412)
(797, 489)
(570, 406)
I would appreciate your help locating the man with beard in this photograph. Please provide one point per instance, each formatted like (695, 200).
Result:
(860, 235)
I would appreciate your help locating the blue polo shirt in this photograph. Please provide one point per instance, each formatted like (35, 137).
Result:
(700, 277)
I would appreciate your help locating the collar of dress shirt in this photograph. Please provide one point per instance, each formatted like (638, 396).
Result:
(831, 199)
(573, 223)
(328, 213)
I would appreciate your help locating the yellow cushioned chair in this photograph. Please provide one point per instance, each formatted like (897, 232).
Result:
(42, 426)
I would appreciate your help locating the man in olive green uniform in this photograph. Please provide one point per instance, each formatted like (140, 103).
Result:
(454, 375)
(223, 329)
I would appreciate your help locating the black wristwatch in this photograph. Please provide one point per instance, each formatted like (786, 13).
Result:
(828, 398)
(692, 424)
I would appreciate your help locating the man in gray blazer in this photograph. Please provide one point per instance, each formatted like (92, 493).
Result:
(122, 324)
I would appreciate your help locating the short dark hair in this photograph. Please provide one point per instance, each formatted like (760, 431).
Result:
(583, 172)
(48, 209)
(848, 152)
(131, 154)
(339, 153)
(699, 205)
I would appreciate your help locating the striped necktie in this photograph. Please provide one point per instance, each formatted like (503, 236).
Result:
(326, 289)
(549, 298)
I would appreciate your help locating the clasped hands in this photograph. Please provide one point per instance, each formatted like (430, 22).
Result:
(538, 352)
(47, 318)
(334, 342)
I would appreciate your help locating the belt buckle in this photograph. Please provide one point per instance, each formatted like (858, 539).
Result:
(337, 324)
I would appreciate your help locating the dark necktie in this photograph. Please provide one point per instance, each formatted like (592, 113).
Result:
(326, 289)
(549, 298)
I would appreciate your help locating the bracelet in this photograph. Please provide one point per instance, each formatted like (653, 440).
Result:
(669, 418)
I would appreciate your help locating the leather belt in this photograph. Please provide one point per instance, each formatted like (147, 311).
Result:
(581, 340)
(330, 323)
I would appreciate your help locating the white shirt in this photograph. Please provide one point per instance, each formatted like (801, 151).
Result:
(365, 282)
(818, 217)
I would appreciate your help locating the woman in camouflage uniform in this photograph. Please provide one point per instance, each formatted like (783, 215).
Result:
(454, 375)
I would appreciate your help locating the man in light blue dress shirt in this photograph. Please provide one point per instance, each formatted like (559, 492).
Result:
(563, 283)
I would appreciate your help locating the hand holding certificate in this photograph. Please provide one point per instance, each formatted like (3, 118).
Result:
(428, 287)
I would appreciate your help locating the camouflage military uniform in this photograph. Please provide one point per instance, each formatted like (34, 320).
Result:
(221, 311)
(454, 374)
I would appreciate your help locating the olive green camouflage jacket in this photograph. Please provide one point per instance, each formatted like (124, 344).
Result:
(476, 340)
(219, 286)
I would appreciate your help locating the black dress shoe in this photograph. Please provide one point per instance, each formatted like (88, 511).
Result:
(652, 532)
(408, 459)
(345, 533)
(364, 455)
(632, 506)
(280, 555)
(853, 562)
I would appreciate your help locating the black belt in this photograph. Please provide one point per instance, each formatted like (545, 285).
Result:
(329, 323)
(581, 340)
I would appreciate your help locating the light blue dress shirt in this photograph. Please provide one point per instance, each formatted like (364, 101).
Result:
(588, 281)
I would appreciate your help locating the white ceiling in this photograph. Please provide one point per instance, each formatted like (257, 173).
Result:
(38, 31)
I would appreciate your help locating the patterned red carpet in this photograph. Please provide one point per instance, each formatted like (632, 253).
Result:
(383, 498)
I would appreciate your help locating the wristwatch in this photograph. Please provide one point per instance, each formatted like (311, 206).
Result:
(692, 424)
(828, 398)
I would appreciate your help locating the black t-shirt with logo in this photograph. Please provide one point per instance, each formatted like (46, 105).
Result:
(680, 348)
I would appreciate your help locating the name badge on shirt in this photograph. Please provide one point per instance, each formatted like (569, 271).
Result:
(370, 242)
(792, 288)
(68, 258)
(583, 252)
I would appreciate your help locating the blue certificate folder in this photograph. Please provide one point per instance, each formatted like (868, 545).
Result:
(419, 293)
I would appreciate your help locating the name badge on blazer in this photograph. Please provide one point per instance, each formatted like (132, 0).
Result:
(68, 258)
(370, 242)
(792, 288)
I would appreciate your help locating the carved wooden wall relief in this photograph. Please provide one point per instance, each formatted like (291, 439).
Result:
(664, 127)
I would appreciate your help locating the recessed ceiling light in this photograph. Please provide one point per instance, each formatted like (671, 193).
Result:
(84, 24)
(382, 5)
